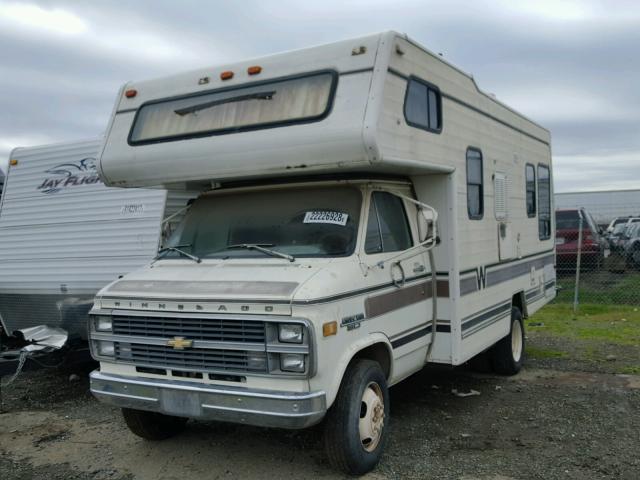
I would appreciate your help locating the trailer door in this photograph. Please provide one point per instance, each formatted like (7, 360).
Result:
(506, 245)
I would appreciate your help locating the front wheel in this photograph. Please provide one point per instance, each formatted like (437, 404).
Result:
(507, 356)
(357, 424)
(152, 425)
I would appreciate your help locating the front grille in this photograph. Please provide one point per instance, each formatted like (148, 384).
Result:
(193, 358)
(218, 330)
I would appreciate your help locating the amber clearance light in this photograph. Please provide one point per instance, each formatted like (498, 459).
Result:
(329, 328)
(256, 69)
(131, 93)
(228, 75)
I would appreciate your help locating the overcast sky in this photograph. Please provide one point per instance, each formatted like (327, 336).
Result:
(572, 66)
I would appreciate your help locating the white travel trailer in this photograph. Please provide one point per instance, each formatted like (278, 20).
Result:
(366, 209)
(64, 235)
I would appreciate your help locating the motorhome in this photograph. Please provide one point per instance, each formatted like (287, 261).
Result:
(64, 235)
(365, 210)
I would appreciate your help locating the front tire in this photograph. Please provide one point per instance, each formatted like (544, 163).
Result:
(151, 425)
(357, 425)
(507, 356)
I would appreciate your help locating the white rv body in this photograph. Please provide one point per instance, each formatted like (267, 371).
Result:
(64, 235)
(486, 264)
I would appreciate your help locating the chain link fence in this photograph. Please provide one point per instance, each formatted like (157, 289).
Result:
(595, 266)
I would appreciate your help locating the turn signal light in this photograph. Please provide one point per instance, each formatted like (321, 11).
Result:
(228, 75)
(131, 93)
(13, 162)
(254, 70)
(329, 328)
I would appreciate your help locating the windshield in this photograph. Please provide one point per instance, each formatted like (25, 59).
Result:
(568, 220)
(302, 222)
(630, 230)
(619, 228)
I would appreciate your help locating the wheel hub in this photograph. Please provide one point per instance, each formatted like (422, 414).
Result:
(371, 417)
(516, 340)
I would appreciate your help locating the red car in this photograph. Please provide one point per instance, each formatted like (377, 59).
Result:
(567, 229)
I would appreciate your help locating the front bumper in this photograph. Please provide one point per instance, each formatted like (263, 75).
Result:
(211, 402)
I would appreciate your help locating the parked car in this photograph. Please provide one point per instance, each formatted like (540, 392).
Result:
(594, 245)
(621, 220)
(630, 245)
(613, 237)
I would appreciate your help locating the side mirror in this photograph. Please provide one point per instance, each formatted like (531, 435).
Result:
(426, 224)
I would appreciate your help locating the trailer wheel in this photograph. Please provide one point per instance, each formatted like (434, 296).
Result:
(357, 425)
(507, 356)
(152, 425)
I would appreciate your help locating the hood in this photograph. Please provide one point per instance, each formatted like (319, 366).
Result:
(227, 286)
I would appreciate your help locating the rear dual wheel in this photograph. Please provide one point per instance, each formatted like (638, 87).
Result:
(507, 356)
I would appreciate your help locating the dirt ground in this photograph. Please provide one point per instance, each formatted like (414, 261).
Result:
(552, 421)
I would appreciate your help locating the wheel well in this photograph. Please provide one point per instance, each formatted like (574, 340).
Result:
(518, 301)
(378, 352)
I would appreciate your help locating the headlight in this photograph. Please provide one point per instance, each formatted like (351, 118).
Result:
(292, 362)
(105, 349)
(103, 323)
(290, 333)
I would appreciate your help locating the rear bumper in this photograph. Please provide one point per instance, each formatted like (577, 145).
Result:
(186, 399)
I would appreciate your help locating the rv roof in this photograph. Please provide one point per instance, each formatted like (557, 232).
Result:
(282, 57)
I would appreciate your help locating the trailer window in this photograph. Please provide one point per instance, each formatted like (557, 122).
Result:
(544, 203)
(387, 226)
(530, 186)
(423, 106)
(261, 105)
(475, 184)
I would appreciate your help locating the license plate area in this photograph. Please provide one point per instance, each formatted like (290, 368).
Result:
(181, 403)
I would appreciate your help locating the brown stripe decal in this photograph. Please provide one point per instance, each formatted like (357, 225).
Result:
(402, 297)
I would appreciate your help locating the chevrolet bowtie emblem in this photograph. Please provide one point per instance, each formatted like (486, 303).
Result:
(179, 343)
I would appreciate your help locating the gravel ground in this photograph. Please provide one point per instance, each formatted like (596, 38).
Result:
(552, 421)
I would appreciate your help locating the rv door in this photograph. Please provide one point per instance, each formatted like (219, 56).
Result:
(506, 245)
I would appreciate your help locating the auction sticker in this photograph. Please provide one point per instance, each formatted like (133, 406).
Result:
(318, 216)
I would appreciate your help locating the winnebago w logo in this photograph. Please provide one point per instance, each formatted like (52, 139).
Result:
(69, 175)
(481, 277)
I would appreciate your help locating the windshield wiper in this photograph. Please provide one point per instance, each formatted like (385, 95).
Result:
(177, 250)
(261, 248)
(201, 106)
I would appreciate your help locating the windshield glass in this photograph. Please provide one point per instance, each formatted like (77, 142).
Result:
(619, 228)
(268, 104)
(568, 220)
(630, 230)
(303, 222)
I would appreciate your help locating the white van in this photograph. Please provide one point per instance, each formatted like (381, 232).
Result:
(64, 235)
(366, 210)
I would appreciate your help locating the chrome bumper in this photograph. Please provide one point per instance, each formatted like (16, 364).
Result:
(210, 402)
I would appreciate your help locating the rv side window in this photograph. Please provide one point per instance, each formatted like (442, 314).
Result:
(423, 106)
(530, 181)
(387, 226)
(544, 203)
(475, 184)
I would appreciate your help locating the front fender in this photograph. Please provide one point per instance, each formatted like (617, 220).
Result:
(347, 356)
